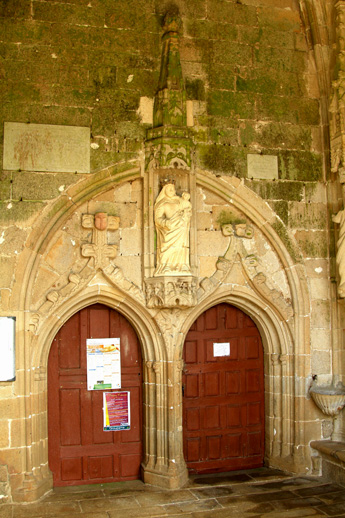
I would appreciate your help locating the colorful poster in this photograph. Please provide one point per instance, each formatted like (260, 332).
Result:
(116, 411)
(103, 363)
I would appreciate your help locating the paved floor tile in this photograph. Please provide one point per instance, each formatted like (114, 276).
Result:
(260, 493)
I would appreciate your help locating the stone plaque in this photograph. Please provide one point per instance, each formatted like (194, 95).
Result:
(42, 147)
(262, 166)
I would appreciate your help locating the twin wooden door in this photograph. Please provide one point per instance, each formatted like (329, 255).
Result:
(223, 403)
(80, 452)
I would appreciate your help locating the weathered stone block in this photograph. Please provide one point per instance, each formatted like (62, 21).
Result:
(320, 339)
(22, 213)
(281, 209)
(321, 362)
(285, 109)
(130, 242)
(320, 314)
(229, 159)
(313, 243)
(4, 432)
(31, 186)
(7, 266)
(17, 433)
(229, 104)
(15, 9)
(279, 19)
(212, 243)
(238, 14)
(277, 190)
(5, 186)
(283, 135)
(234, 54)
(307, 216)
(320, 288)
(67, 13)
(300, 165)
(204, 221)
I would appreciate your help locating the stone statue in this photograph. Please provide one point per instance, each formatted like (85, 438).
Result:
(340, 257)
(172, 219)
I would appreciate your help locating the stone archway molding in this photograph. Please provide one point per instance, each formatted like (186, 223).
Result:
(284, 342)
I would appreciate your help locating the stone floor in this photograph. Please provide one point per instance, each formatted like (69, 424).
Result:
(263, 493)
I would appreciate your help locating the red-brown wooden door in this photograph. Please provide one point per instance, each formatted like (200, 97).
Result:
(80, 452)
(223, 403)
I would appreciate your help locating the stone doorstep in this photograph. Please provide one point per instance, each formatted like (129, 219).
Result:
(333, 451)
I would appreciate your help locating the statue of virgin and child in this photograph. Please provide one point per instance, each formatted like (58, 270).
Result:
(172, 215)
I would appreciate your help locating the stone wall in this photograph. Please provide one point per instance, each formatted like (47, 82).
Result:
(252, 84)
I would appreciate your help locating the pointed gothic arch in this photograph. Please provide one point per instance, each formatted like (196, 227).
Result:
(285, 339)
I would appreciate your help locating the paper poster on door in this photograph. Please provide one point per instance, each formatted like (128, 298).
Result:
(103, 363)
(221, 349)
(116, 411)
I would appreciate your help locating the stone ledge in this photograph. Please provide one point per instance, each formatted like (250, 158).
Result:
(332, 455)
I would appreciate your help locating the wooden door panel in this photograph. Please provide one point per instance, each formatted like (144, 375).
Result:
(223, 403)
(80, 451)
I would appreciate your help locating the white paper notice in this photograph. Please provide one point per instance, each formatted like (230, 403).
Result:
(221, 349)
(103, 363)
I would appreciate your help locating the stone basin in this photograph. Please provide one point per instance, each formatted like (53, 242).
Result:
(329, 399)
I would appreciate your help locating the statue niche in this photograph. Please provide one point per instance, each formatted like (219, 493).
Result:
(172, 284)
(172, 220)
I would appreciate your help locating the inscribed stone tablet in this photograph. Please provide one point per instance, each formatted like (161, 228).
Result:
(262, 166)
(42, 147)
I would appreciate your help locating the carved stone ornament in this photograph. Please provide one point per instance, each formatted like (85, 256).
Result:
(171, 292)
(250, 263)
(170, 323)
(168, 144)
(99, 255)
(224, 264)
(340, 256)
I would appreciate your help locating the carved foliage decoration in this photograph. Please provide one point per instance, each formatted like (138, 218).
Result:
(100, 255)
(170, 322)
(250, 264)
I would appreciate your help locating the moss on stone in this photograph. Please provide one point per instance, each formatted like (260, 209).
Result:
(281, 135)
(41, 186)
(5, 186)
(227, 217)
(300, 165)
(313, 243)
(281, 230)
(277, 190)
(101, 159)
(19, 211)
(195, 89)
(281, 208)
(227, 159)
(229, 104)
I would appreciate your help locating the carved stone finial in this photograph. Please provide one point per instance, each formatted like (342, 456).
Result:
(168, 144)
